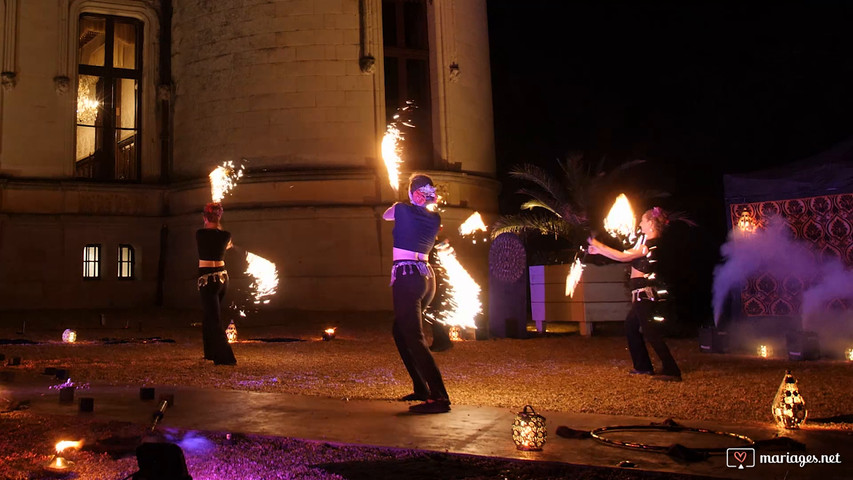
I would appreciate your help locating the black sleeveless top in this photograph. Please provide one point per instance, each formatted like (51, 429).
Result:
(648, 265)
(212, 243)
(415, 228)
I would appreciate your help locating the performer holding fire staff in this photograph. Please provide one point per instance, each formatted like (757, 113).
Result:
(412, 287)
(212, 242)
(643, 322)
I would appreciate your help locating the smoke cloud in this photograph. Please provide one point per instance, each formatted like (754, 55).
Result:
(774, 250)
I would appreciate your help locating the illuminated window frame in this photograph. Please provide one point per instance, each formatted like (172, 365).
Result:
(126, 262)
(92, 262)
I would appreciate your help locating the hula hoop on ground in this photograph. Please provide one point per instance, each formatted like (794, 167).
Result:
(598, 435)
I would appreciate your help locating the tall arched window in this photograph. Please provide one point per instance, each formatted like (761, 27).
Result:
(406, 44)
(109, 70)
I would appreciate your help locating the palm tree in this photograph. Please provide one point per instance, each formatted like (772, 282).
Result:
(558, 205)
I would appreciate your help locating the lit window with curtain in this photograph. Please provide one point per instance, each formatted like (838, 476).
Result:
(406, 44)
(108, 94)
(92, 262)
(125, 262)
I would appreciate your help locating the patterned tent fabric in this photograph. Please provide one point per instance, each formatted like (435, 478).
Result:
(825, 222)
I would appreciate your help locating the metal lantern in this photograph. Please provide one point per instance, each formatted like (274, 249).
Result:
(746, 223)
(231, 332)
(528, 430)
(455, 334)
(69, 336)
(789, 408)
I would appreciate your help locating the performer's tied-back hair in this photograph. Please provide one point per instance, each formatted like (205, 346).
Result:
(213, 212)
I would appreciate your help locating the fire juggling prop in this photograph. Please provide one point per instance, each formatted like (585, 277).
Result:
(58, 463)
(528, 430)
(473, 224)
(223, 179)
(764, 351)
(391, 149)
(619, 223)
(264, 274)
(264, 277)
(848, 354)
(789, 408)
(462, 304)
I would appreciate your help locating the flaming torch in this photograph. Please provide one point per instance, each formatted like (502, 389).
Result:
(474, 223)
(264, 275)
(223, 179)
(463, 294)
(620, 222)
(848, 354)
(58, 463)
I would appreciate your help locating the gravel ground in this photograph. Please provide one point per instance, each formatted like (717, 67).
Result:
(561, 372)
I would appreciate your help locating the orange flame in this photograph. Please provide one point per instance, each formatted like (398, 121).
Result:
(64, 444)
(620, 221)
(472, 224)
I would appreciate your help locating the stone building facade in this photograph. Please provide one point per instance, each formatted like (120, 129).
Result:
(113, 112)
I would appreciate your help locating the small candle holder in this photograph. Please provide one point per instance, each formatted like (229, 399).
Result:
(146, 393)
(66, 394)
(87, 404)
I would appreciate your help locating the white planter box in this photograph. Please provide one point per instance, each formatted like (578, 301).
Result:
(601, 296)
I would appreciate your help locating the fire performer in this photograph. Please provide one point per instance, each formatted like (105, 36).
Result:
(642, 323)
(212, 242)
(412, 287)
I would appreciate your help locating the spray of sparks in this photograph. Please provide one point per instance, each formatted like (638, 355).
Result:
(462, 304)
(264, 277)
(620, 221)
(574, 277)
(223, 179)
(391, 151)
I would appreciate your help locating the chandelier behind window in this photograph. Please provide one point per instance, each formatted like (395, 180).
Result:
(87, 102)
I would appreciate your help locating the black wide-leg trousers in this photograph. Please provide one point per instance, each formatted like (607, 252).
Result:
(640, 328)
(412, 293)
(216, 345)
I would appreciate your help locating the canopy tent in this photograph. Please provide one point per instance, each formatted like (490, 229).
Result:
(827, 173)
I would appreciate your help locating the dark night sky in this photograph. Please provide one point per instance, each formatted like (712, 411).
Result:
(696, 89)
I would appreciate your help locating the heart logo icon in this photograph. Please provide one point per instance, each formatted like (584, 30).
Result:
(740, 456)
